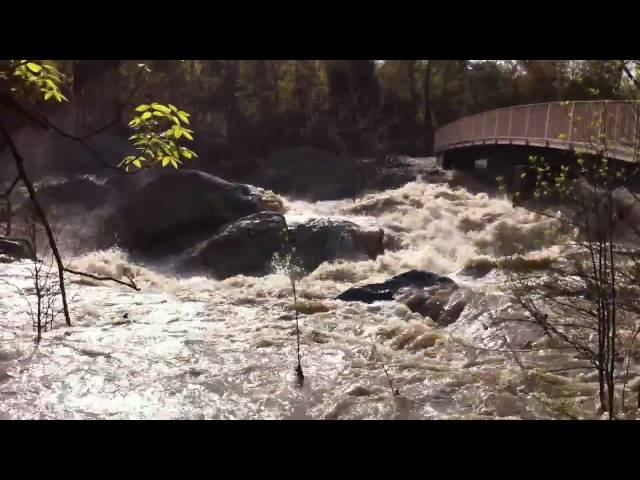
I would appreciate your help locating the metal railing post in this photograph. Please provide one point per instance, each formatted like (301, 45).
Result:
(573, 108)
(546, 125)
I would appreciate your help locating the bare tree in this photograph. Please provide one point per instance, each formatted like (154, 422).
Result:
(587, 299)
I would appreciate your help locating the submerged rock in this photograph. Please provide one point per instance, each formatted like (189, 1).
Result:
(16, 248)
(245, 247)
(321, 240)
(427, 293)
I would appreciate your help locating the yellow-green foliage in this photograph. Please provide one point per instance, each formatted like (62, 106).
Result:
(157, 130)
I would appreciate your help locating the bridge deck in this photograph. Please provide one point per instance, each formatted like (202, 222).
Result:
(589, 126)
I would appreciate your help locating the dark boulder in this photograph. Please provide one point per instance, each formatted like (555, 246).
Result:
(427, 293)
(62, 196)
(375, 292)
(248, 245)
(244, 247)
(16, 248)
(321, 240)
(179, 209)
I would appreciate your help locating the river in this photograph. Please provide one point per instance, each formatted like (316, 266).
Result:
(198, 348)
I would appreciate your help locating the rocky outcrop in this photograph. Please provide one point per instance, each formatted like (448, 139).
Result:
(178, 209)
(15, 248)
(321, 240)
(427, 293)
(248, 245)
(62, 196)
(244, 247)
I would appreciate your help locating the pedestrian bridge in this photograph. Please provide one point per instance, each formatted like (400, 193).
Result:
(607, 127)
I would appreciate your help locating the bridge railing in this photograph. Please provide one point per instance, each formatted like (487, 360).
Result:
(564, 125)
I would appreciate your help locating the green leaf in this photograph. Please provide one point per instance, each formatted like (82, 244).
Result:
(177, 132)
(160, 108)
(172, 107)
(34, 67)
(187, 134)
(146, 116)
(186, 153)
(183, 117)
(48, 95)
(173, 162)
(137, 163)
(159, 114)
(165, 161)
(142, 108)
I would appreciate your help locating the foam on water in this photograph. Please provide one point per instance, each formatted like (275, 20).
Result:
(197, 347)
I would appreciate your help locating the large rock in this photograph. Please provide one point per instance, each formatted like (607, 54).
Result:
(178, 209)
(15, 248)
(247, 246)
(427, 293)
(442, 303)
(244, 247)
(321, 240)
(60, 197)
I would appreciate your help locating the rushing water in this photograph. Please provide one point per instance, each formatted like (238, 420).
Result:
(201, 348)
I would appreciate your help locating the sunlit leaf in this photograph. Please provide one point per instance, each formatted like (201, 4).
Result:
(161, 108)
(183, 117)
(34, 67)
(143, 108)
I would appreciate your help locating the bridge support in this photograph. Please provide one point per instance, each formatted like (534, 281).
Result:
(488, 162)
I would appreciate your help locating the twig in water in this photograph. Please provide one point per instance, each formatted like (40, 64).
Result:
(626, 375)
(394, 391)
(299, 373)
(130, 283)
(513, 353)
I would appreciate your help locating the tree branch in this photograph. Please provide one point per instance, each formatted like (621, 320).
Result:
(42, 121)
(19, 162)
(130, 283)
(11, 187)
(630, 75)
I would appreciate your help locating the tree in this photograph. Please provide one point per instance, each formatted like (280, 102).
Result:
(588, 300)
(158, 131)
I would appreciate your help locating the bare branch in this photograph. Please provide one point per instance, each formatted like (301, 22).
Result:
(130, 283)
(11, 187)
(22, 173)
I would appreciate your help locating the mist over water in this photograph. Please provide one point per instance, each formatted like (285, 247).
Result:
(195, 347)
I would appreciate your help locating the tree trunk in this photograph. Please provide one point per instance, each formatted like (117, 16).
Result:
(414, 102)
(428, 111)
(19, 162)
(231, 101)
